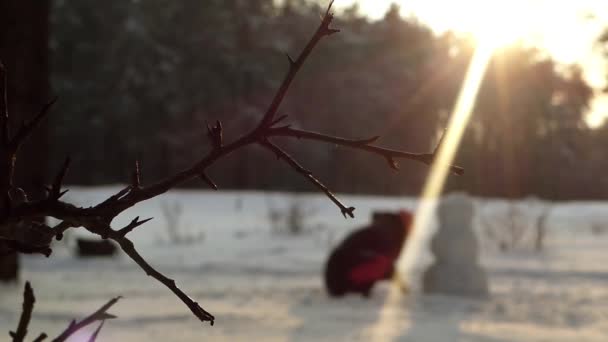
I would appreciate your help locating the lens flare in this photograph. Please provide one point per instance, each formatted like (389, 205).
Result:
(388, 324)
(439, 170)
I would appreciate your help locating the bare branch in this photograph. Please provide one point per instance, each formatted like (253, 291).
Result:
(55, 191)
(363, 144)
(127, 246)
(114, 198)
(205, 178)
(134, 224)
(440, 142)
(93, 337)
(28, 127)
(277, 120)
(296, 166)
(294, 66)
(100, 315)
(26, 314)
(97, 219)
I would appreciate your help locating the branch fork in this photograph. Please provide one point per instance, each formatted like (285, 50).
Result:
(97, 219)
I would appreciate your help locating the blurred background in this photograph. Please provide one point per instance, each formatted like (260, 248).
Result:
(139, 80)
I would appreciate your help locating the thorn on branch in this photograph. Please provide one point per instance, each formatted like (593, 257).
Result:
(390, 155)
(55, 191)
(115, 197)
(28, 127)
(100, 315)
(93, 337)
(348, 211)
(328, 11)
(134, 224)
(292, 63)
(277, 120)
(295, 65)
(326, 21)
(215, 135)
(280, 154)
(332, 31)
(205, 178)
(430, 158)
(392, 163)
(440, 142)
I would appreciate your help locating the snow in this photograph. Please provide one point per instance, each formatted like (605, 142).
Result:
(266, 286)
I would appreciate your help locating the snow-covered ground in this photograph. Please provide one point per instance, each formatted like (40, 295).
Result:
(267, 286)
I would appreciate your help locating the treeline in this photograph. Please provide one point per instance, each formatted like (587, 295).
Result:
(139, 80)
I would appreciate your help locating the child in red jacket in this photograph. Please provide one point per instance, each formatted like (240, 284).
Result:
(367, 255)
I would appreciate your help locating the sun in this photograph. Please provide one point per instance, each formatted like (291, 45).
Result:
(490, 22)
(494, 23)
(555, 26)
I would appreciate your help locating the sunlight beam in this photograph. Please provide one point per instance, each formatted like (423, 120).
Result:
(433, 187)
(388, 326)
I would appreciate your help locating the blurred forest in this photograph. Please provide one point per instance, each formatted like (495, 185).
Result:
(139, 80)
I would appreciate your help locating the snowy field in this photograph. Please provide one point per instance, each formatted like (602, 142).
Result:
(264, 285)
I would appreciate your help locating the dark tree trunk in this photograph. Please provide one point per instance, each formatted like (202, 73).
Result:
(24, 53)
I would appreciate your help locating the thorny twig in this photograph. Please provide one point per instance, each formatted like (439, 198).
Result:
(93, 337)
(98, 316)
(97, 219)
(28, 307)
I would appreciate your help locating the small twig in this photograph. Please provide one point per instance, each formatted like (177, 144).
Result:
(55, 191)
(97, 219)
(93, 337)
(28, 127)
(114, 198)
(100, 315)
(295, 65)
(127, 246)
(361, 144)
(28, 306)
(205, 178)
(134, 224)
(296, 166)
(277, 120)
(440, 142)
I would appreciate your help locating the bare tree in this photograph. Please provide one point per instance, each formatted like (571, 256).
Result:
(517, 226)
(291, 219)
(32, 237)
